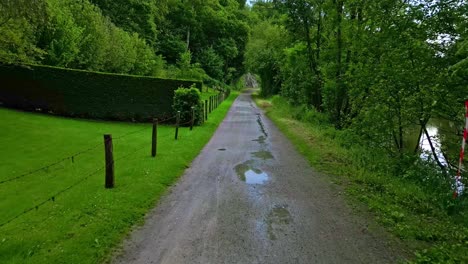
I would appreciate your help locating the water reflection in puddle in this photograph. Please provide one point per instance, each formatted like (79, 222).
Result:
(250, 175)
(255, 177)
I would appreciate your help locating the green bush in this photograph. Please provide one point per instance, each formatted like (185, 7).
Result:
(87, 94)
(184, 99)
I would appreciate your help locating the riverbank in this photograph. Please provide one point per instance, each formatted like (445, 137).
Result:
(425, 219)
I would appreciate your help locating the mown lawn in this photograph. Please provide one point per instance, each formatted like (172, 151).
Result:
(83, 222)
(416, 215)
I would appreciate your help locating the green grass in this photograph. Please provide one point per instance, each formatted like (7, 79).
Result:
(207, 92)
(418, 217)
(85, 223)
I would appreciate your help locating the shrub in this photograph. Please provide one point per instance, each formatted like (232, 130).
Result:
(184, 99)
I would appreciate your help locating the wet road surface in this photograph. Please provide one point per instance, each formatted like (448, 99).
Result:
(250, 197)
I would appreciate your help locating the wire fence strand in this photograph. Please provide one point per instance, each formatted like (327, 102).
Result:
(72, 157)
(131, 133)
(52, 198)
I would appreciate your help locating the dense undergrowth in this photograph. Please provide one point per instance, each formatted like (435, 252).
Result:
(409, 196)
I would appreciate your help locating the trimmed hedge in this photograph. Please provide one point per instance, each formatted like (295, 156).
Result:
(85, 94)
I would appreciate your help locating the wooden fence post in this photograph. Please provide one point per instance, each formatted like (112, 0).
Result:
(206, 110)
(193, 118)
(109, 161)
(211, 105)
(154, 141)
(177, 125)
(203, 112)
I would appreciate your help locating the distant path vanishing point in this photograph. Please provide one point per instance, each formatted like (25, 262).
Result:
(250, 197)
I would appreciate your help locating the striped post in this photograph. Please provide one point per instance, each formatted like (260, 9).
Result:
(459, 186)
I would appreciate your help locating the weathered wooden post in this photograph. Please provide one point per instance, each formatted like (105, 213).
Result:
(154, 141)
(193, 118)
(177, 125)
(203, 112)
(206, 110)
(211, 105)
(109, 161)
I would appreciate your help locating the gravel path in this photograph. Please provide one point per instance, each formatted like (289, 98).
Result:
(250, 197)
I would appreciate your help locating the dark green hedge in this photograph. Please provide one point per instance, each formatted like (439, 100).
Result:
(86, 94)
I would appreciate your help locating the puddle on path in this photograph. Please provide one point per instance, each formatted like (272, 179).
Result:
(278, 220)
(260, 139)
(249, 174)
(264, 155)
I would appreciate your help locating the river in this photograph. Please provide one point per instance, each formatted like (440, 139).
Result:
(444, 137)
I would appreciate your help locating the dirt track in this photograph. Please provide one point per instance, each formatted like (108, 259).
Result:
(250, 197)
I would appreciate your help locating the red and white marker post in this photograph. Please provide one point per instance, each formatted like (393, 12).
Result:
(459, 186)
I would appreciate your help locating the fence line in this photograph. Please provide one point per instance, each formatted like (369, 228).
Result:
(141, 130)
(72, 157)
(53, 197)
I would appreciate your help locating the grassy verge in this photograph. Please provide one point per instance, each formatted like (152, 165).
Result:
(85, 222)
(207, 92)
(410, 211)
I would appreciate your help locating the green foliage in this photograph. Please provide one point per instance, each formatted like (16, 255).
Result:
(212, 63)
(198, 26)
(128, 36)
(79, 36)
(361, 62)
(88, 94)
(184, 100)
(134, 16)
(19, 22)
(264, 55)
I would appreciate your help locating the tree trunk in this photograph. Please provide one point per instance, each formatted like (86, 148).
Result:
(318, 103)
(341, 93)
(433, 149)
(422, 123)
(188, 38)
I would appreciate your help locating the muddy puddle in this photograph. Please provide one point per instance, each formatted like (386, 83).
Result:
(260, 139)
(278, 220)
(249, 174)
(264, 155)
